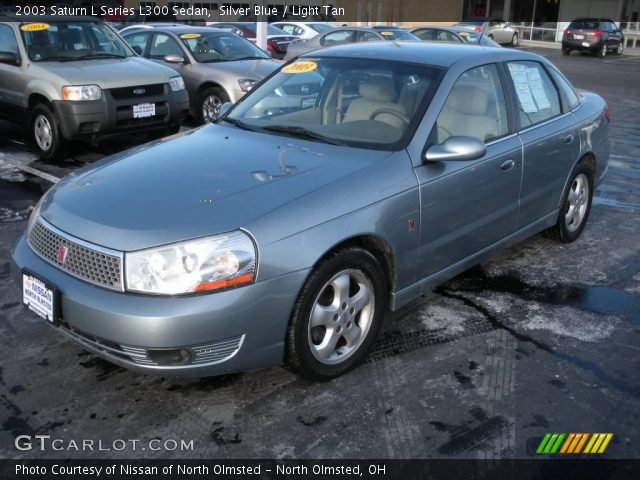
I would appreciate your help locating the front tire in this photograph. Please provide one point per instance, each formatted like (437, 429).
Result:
(209, 103)
(602, 53)
(337, 315)
(45, 132)
(575, 206)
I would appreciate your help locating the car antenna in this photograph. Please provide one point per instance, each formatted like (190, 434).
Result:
(484, 25)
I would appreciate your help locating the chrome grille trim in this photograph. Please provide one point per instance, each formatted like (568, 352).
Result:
(92, 263)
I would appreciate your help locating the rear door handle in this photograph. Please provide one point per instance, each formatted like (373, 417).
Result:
(507, 165)
(568, 138)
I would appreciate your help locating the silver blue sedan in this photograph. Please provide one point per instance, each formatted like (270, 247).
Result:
(286, 232)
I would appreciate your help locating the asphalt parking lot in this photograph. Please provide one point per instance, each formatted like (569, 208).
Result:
(542, 338)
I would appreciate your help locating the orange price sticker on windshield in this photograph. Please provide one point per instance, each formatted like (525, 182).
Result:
(302, 66)
(386, 33)
(34, 27)
(190, 35)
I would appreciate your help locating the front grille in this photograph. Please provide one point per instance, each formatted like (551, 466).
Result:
(210, 354)
(88, 262)
(140, 91)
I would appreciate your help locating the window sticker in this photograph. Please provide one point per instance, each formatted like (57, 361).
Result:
(302, 66)
(521, 82)
(537, 89)
(34, 27)
(385, 33)
(190, 35)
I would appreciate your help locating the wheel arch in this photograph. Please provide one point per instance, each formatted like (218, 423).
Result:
(587, 158)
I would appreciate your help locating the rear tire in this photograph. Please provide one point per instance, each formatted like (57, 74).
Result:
(566, 51)
(338, 314)
(46, 137)
(574, 207)
(602, 53)
(514, 40)
(619, 49)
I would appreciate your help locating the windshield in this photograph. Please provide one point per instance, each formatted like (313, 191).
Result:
(585, 25)
(68, 41)
(355, 102)
(220, 47)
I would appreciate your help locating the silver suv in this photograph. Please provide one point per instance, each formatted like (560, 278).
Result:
(72, 80)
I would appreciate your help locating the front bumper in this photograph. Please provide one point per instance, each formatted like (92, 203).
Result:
(112, 116)
(234, 330)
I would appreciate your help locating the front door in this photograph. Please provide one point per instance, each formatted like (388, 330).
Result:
(466, 206)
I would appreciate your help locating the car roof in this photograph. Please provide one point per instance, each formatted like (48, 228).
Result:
(180, 29)
(426, 53)
(48, 19)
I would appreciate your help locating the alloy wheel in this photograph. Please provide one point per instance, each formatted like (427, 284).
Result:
(211, 108)
(577, 203)
(341, 316)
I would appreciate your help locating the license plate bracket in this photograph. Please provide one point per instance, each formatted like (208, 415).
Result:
(40, 297)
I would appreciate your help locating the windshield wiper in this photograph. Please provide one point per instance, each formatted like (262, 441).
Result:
(238, 123)
(303, 133)
(256, 57)
(100, 55)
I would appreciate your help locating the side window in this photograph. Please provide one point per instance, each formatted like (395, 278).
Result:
(475, 107)
(164, 45)
(287, 28)
(569, 97)
(536, 94)
(444, 36)
(138, 41)
(425, 34)
(367, 37)
(337, 38)
(8, 41)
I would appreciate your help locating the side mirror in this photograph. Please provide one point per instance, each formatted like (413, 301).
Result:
(457, 149)
(224, 108)
(137, 49)
(173, 59)
(10, 58)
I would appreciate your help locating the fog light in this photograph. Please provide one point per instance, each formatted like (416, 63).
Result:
(169, 357)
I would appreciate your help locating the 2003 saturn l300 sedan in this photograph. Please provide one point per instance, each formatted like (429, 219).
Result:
(286, 233)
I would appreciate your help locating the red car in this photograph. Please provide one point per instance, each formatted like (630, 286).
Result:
(277, 40)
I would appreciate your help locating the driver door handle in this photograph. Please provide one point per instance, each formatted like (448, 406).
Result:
(507, 165)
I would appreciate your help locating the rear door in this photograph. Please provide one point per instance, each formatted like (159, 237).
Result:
(549, 135)
(12, 82)
(466, 206)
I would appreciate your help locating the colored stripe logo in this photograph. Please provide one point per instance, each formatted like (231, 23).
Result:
(573, 443)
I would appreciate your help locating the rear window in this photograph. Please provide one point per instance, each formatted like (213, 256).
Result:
(584, 25)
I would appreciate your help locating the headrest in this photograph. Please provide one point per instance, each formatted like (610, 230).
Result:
(380, 89)
(469, 100)
(40, 38)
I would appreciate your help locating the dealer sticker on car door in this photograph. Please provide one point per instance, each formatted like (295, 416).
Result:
(144, 110)
(38, 297)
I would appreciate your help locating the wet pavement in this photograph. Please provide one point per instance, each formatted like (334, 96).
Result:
(541, 338)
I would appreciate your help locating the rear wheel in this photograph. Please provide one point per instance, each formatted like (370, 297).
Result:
(45, 133)
(575, 206)
(337, 315)
(514, 40)
(619, 49)
(566, 51)
(602, 52)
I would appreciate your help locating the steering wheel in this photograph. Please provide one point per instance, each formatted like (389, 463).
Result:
(392, 112)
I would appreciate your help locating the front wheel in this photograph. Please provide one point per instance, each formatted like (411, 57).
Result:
(210, 101)
(575, 206)
(337, 315)
(46, 137)
(602, 53)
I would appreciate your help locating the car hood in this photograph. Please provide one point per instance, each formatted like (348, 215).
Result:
(254, 69)
(111, 72)
(210, 180)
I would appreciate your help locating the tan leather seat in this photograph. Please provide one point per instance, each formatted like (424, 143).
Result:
(466, 113)
(376, 93)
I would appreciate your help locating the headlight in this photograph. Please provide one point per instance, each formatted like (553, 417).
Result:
(177, 83)
(246, 84)
(81, 92)
(204, 264)
(33, 218)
